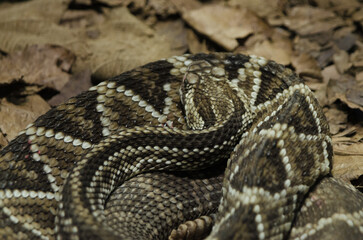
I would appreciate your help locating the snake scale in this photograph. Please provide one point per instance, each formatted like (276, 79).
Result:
(144, 155)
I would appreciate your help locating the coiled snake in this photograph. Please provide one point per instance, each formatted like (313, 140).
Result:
(143, 152)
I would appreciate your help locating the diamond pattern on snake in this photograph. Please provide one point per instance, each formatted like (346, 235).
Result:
(216, 146)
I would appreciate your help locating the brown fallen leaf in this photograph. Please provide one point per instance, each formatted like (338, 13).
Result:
(3, 141)
(344, 99)
(186, 5)
(300, 19)
(78, 83)
(75, 18)
(42, 65)
(36, 22)
(338, 5)
(346, 90)
(111, 2)
(34, 10)
(306, 66)
(330, 72)
(348, 153)
(261, 7)
(348, 163)
(15, 118)
(161, 8)
(124, 42)
(358, 16)
(337, 120)
(194, 45)
(16, 35)
(278, 49)
(326, 56)
(357, 56)
(306, 46)
(319, 90)
(352, 134)
(359, 76)
(83, 2)
(175, 32)
(341, 60)
(18, 89)
(344, 38)
(348, 166)
(355, 96)
(224, 25)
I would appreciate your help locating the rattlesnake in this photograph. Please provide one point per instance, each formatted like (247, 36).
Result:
(63, 176)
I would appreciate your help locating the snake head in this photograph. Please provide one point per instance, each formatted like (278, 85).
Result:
(206, 95)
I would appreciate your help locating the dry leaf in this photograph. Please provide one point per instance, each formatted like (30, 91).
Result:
(16, 35)
(319, 90)
(161, 8)
(330, 72)
(42, 65)
(224, 25)
(120, 43)
(357, 57)
(186, 5)
(111, 2)
(300, 19)
(325, 57)
(262, 8)
(78, 83)
(34, 10)
(124, 43)
(3, 141)
(83, 2)
(81, 18)
(355, 95)
(306, 66)
(351, 104)
(344, 38)
(306, 46)
(349, 166)
(347, 91)
(272, 50)
(195, 46)
(348, 161)
(358, 16)
(359, 76)
(348, 153)
(353, 134)
(341, 60)
(338, 5)
(175, 32)
(337, 120)
(15, 118)
(40, 26)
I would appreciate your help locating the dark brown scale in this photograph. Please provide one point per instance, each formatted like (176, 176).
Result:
(191, 186)
(233, 63)
(270, 87)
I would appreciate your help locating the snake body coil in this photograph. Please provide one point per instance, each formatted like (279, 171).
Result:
(143, 152)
